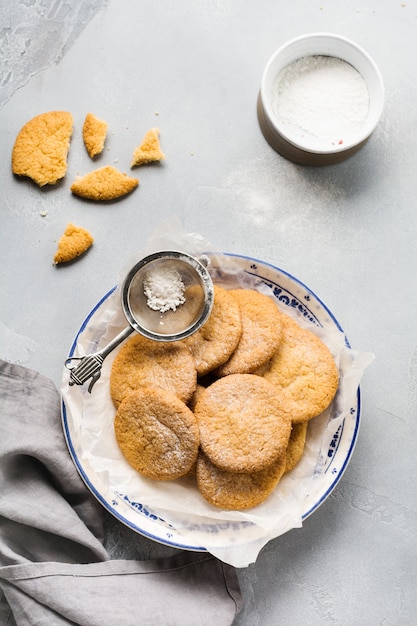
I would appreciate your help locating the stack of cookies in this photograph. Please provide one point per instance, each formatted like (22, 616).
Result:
(229, 405)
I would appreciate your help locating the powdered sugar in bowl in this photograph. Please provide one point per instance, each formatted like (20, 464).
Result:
(321, 98)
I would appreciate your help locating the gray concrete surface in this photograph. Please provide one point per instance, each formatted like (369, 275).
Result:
(193, 68)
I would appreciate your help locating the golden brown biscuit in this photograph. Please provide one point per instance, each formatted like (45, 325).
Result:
(149, 150)
(303, 371)
(261, 333)
(94, 134)
(234, 490)
(197, 393)
(242, 425)
(157, 433)
(296, 445)
(105, 183)
(143, 362)
(74, 242)
(41, 148)
(216, 340)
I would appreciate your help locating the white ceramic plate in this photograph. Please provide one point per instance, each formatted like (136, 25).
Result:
(162, 525)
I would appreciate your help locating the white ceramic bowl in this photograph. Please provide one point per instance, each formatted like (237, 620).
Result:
(318, 44)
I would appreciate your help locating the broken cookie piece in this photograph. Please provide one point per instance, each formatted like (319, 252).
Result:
(149, 150)
(41, 147)
(94, 134)
(105, 183)
(74, 242)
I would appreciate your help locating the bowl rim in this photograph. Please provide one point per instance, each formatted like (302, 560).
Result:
(373, 80)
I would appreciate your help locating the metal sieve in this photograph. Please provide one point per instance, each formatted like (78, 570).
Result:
(166, 296)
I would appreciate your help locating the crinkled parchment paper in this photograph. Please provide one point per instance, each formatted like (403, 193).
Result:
(235, 537)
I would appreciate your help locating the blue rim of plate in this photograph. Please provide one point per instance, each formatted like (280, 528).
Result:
(336, 439)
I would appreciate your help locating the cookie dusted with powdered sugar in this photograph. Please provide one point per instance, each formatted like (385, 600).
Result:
(141, 362)
(261, 333)
(234, 490)
(157, 433)
(303, 371)
(214, 343)
(242, 425)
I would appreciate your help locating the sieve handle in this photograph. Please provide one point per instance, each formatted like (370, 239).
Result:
(89, 366)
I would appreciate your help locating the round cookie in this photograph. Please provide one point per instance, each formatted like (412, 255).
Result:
(143, 362)
(303, 371)
(41, 147)
(261, 333)
(242, 425)
(233, 490)
(296, 445)
(216, 340)
(157, 433)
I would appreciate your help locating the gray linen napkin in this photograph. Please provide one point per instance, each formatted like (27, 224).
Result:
(54, 569)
